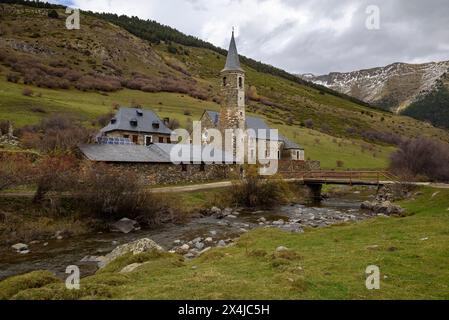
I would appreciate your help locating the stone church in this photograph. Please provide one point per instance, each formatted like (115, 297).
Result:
(232, 115)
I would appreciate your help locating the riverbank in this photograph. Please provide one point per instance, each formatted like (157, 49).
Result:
(324, 263)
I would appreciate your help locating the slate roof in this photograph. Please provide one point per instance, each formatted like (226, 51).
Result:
(145, 120)
(232, 60)
(256, 123)
(155, 153)
(122, 153)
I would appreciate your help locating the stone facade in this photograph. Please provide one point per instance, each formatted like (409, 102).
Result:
(232, 112)
(289, 166)
(168, 173)
(140, 138)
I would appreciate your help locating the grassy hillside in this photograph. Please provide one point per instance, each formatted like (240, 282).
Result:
(87, 106)
(85, 72)
(411, 253)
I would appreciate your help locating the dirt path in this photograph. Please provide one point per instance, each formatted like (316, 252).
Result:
(205, 186)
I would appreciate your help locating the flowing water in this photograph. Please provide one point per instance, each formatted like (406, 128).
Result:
(56, 255)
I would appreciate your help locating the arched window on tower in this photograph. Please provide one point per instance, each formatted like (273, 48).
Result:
(224, 81)
(240, 83)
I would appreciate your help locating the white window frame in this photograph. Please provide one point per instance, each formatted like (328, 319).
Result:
(151, 140)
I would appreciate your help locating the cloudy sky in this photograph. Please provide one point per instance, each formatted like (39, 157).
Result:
(302, 36)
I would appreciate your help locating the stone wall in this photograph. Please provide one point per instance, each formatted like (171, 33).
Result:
(286, 166)
(168, 173)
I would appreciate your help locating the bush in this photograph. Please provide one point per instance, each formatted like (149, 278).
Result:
(422, 157)
(104, 119)
(15, 172)
(113, 194)
(340, 164)
(173, 124)
(27, 92)
(58, 133)
(308, 123)
(256, 191)
(53, 14)
(55, 174)
(13, 77)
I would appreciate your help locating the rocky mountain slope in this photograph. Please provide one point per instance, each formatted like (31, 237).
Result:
(395, 87)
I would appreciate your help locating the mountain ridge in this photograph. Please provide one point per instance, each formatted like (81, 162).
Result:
(394, 87)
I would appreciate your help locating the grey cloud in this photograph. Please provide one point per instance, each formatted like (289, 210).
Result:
(411, 30)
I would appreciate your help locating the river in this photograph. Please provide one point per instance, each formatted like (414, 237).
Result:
(56, 255)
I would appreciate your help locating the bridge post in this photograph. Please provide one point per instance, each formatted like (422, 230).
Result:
(315, 192)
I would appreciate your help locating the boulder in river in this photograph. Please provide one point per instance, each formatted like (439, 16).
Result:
(20, 248)
(125, 225)
(136, 247)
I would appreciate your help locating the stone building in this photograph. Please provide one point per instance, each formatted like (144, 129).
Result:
(141, 127)
(232, 115)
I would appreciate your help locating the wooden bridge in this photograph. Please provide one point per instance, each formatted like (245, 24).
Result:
(355, 178)
(316, 179)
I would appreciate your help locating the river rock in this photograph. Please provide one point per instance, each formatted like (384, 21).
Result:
(20, 247)
(279, 222)
(136, 247)
(125, 225)
(263, 219)
(95, 259)
(130, 268)
(204, 250)
(292, 227)
(196, 240)
(208, 240)
(231, 216)
(221, 243)
(177, 242)
(281, 248)
(199, 245)
(183, 249)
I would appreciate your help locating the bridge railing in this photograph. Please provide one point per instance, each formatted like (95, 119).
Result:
(350, 176)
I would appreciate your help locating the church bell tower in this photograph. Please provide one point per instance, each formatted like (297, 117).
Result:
(232, 113)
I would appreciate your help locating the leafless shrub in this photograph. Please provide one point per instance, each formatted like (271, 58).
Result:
(422, 157)
(173, 124)
(308, 123)
(27, 92)
(15, 172)
(340, 164)
(55, 174)
(255, 191)
(13, 77)
(385, 137)
(104, 119)
(58, 133)
(113, 194)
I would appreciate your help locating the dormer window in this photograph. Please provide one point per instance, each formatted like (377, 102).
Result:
(113, 121)
(139, 112)
(133, 122)
(156, 125)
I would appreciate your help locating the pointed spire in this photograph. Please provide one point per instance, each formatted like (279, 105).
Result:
(232, 61)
